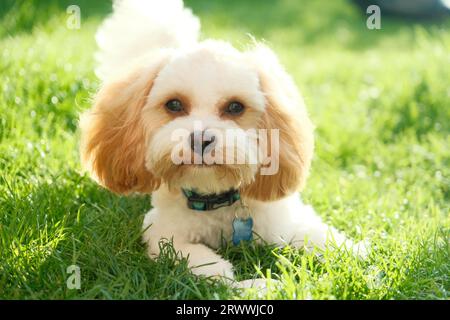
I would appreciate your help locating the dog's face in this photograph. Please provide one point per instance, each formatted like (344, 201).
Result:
(207, 91)
(169, 119)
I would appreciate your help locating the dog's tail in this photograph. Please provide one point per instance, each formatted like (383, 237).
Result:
(137, 27)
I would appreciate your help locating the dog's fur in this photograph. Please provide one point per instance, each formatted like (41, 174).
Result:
(149, 53)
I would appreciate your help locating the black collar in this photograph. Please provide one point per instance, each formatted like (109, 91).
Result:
(210, 202)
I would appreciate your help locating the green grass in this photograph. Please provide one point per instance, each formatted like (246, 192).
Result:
(381, 104)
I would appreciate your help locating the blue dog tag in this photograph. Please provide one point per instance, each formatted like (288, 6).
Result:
(242, 230)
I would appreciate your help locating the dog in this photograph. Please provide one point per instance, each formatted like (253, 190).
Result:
(158, 79)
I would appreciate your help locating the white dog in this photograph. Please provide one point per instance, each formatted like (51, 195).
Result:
(159, 79)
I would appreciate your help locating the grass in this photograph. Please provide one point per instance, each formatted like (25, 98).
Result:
(380, 100)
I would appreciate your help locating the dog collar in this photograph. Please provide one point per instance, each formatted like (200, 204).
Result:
(210, 202)
(242, 222)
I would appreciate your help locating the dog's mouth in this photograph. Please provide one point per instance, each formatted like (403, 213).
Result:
(202, 165)
(204, 176)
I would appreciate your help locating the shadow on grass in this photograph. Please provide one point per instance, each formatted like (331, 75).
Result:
(22, 16)
(72, 221)
(297, 22)
(54, 224)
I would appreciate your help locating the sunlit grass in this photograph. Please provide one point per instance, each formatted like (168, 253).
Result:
(381, 104)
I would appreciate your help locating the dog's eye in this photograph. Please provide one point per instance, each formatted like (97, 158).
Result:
(174, 105)
(234, 108)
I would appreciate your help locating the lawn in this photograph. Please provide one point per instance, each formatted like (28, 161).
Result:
(380, 100)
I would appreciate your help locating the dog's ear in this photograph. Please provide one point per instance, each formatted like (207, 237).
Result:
(285, 111)
(113, 135)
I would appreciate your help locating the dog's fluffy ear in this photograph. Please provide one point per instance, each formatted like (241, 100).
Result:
(112, 133)
(285, 111)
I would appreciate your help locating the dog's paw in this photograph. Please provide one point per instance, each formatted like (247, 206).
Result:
(219, 269)
(260, 286)
(361, 249)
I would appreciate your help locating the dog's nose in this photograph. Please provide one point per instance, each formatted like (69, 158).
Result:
(200, 140)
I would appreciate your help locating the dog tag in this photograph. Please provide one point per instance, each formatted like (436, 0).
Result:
(242, 230)
(242, 225)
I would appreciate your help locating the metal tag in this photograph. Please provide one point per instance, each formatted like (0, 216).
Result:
(242, 230)
(242, 224)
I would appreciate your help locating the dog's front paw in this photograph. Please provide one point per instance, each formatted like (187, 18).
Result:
(360, 249)
(221, 268)
(259, 286)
